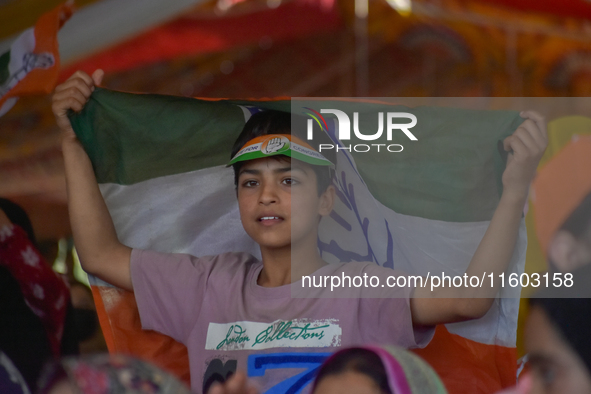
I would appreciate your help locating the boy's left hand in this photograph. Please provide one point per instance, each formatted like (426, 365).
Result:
(526, 146)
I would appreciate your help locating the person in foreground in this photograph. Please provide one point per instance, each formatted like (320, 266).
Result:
(235, 312)
(36, 315)
(361, 370)
(570, 246)
(107, 374)
(557, 339)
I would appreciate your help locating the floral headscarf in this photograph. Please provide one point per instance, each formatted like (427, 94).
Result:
(406, 372)
(111, 374)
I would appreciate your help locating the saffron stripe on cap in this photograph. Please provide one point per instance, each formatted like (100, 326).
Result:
(280, 144)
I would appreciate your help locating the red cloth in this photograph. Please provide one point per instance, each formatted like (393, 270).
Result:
(45, 292)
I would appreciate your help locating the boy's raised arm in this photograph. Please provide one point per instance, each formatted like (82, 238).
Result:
(449, 304)
(96, 241)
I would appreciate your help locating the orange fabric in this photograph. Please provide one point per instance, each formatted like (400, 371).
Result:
(560, 186)
(120, 322)
(468, 367)
(465, 366)
(40, 80)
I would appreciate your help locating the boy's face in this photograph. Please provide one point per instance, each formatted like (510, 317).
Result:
(555, 367)
(269, 190)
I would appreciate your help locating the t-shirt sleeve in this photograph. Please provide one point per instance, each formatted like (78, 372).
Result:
(390, 314)
(169, 289)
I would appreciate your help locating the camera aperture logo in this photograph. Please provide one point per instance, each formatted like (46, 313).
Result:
(344, 130)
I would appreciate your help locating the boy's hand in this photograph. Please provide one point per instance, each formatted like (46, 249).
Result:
(526, 146)
(73, 94)
(236, 384)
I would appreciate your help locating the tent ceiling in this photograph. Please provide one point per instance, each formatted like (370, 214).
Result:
(445, 55)
(95, 25)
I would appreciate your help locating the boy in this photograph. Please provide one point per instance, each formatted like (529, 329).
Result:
(235, 312)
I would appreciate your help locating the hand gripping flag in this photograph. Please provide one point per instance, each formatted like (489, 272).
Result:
(161, 164)
(31, 65)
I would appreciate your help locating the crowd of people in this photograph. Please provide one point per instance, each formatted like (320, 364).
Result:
(189, 298)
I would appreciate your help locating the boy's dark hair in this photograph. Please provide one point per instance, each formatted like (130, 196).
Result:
(359, 360)
(279, 122)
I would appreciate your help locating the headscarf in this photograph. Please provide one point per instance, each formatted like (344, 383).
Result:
(44, 292)
(34, 300)
(111, 374)
(407, 373)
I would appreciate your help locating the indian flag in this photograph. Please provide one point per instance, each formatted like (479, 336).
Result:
(161, 165)
(31, 65)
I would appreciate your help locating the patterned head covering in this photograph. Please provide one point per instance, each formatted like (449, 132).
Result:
(44, 291)
(406, 372)
(111, 374)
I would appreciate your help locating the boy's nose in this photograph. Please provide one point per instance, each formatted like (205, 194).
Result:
(268, 194)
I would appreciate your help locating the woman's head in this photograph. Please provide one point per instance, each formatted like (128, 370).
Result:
(375, 370)
(355, 368)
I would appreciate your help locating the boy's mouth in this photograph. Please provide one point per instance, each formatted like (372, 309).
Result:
(269, 220)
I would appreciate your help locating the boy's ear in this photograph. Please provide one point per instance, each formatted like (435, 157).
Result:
(327, 201)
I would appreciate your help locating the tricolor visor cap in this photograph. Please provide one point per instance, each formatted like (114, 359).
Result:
(280, 144)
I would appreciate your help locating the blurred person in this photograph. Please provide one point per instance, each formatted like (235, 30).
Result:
(11, 380)
(88, 332)
(570, 246)
(557, 338)
(556, 334)
(35, 311)
(107, 374)
(376, 370)
(361, 370)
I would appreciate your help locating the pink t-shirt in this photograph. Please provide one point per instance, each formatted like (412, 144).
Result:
(228, 322)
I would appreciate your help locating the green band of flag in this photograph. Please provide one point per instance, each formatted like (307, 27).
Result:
(453, 172)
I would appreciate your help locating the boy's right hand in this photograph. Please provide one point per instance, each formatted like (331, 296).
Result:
(236, 384)
(73, 94)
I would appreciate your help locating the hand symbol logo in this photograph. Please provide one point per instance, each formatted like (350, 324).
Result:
(274, 145)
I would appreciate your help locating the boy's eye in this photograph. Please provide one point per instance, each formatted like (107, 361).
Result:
(249, 183)
(289, 181)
